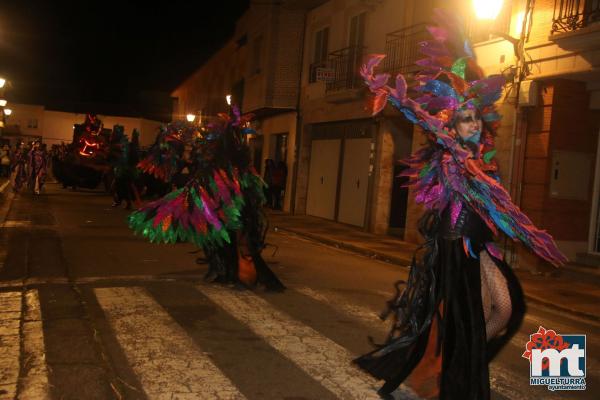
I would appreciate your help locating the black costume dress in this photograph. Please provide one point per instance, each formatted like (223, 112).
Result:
(445, 285)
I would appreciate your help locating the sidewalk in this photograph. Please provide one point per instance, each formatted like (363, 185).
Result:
(565, 291)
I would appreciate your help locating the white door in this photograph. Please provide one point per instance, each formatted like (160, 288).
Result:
(355, 181)
(322, 181)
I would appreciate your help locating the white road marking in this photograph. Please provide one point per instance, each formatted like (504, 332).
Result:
(13, 223)
(502, 380)
(4, 185)
(166, 360)
(34, 372)
(509, 385)
(10, 344)
(321, 358)
(361, 313)
(364, 314)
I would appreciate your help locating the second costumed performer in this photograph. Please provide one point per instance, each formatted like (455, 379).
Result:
(219, 209)
(462, 302)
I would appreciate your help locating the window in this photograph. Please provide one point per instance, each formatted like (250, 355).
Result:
(237, 92)
(320, 53)
(32, 123)
(256, 55)
(357, 30)
(321, 42)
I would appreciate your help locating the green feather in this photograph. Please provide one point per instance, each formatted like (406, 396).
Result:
(459, 67)
(487, 157)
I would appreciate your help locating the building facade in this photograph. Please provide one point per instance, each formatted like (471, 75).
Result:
(348, 158)
(260, 68)
(295, 65)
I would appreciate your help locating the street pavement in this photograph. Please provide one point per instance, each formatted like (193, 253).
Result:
(89, 311)
(570, 288)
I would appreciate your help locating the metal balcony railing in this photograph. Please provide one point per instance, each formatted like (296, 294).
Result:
(402, 49)
(346, 64)
(570, 15)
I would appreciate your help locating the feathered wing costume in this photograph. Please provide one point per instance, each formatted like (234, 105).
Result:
(220, 207)
(439, 317)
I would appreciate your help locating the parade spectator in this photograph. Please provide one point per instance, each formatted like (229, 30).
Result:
(278, 179)
(5, 161)
(268, 178)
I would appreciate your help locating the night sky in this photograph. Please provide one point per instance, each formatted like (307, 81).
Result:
(61, 53)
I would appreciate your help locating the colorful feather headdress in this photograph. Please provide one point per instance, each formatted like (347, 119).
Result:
(450, 174)
(450, 80)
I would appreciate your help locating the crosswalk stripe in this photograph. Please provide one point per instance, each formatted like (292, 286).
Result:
(165, 359)
(502, 380)
(361, 313)
(10, 319)
(34, 379)
(321, 358)
(505, 382)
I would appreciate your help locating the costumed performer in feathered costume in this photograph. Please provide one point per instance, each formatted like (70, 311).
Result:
(124, 157)
(462, 302)
(19, 164)
(220, 207)
(38, 160)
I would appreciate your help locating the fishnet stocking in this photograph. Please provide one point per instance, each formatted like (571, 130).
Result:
(497, 306)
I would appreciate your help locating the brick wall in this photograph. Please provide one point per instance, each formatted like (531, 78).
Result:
(561, 122)
(282, 84)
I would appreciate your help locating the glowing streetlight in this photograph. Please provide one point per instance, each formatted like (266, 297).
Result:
(487, 9)
(7, 111)
(190, 117)
(228, 98)
(2, 102)
(2, 82)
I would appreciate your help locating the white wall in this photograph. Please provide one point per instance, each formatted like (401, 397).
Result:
(148, 131)
(29, 117)
(57, 126)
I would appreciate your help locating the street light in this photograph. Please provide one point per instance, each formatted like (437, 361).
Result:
(2, 82)
(228, 98)
(2, 102)
(487, 9)
(7, 111)
(190, 117)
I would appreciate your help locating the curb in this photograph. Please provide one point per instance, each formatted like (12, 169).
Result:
(4, 185)
(406, 262)
(548, 304)
(5, 203)
(403, 262)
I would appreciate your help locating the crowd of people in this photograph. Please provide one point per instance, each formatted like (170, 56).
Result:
(26, 165)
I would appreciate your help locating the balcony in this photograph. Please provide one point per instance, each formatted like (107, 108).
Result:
(576, 24)
(572, 15)
(402, 50)
(346, 64)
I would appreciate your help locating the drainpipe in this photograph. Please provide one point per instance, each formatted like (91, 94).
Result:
(298, 137)
(515, 177)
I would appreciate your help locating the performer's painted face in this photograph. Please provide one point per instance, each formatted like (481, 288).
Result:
(468, 125)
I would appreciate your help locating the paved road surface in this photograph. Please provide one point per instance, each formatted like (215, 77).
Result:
(88, 311)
